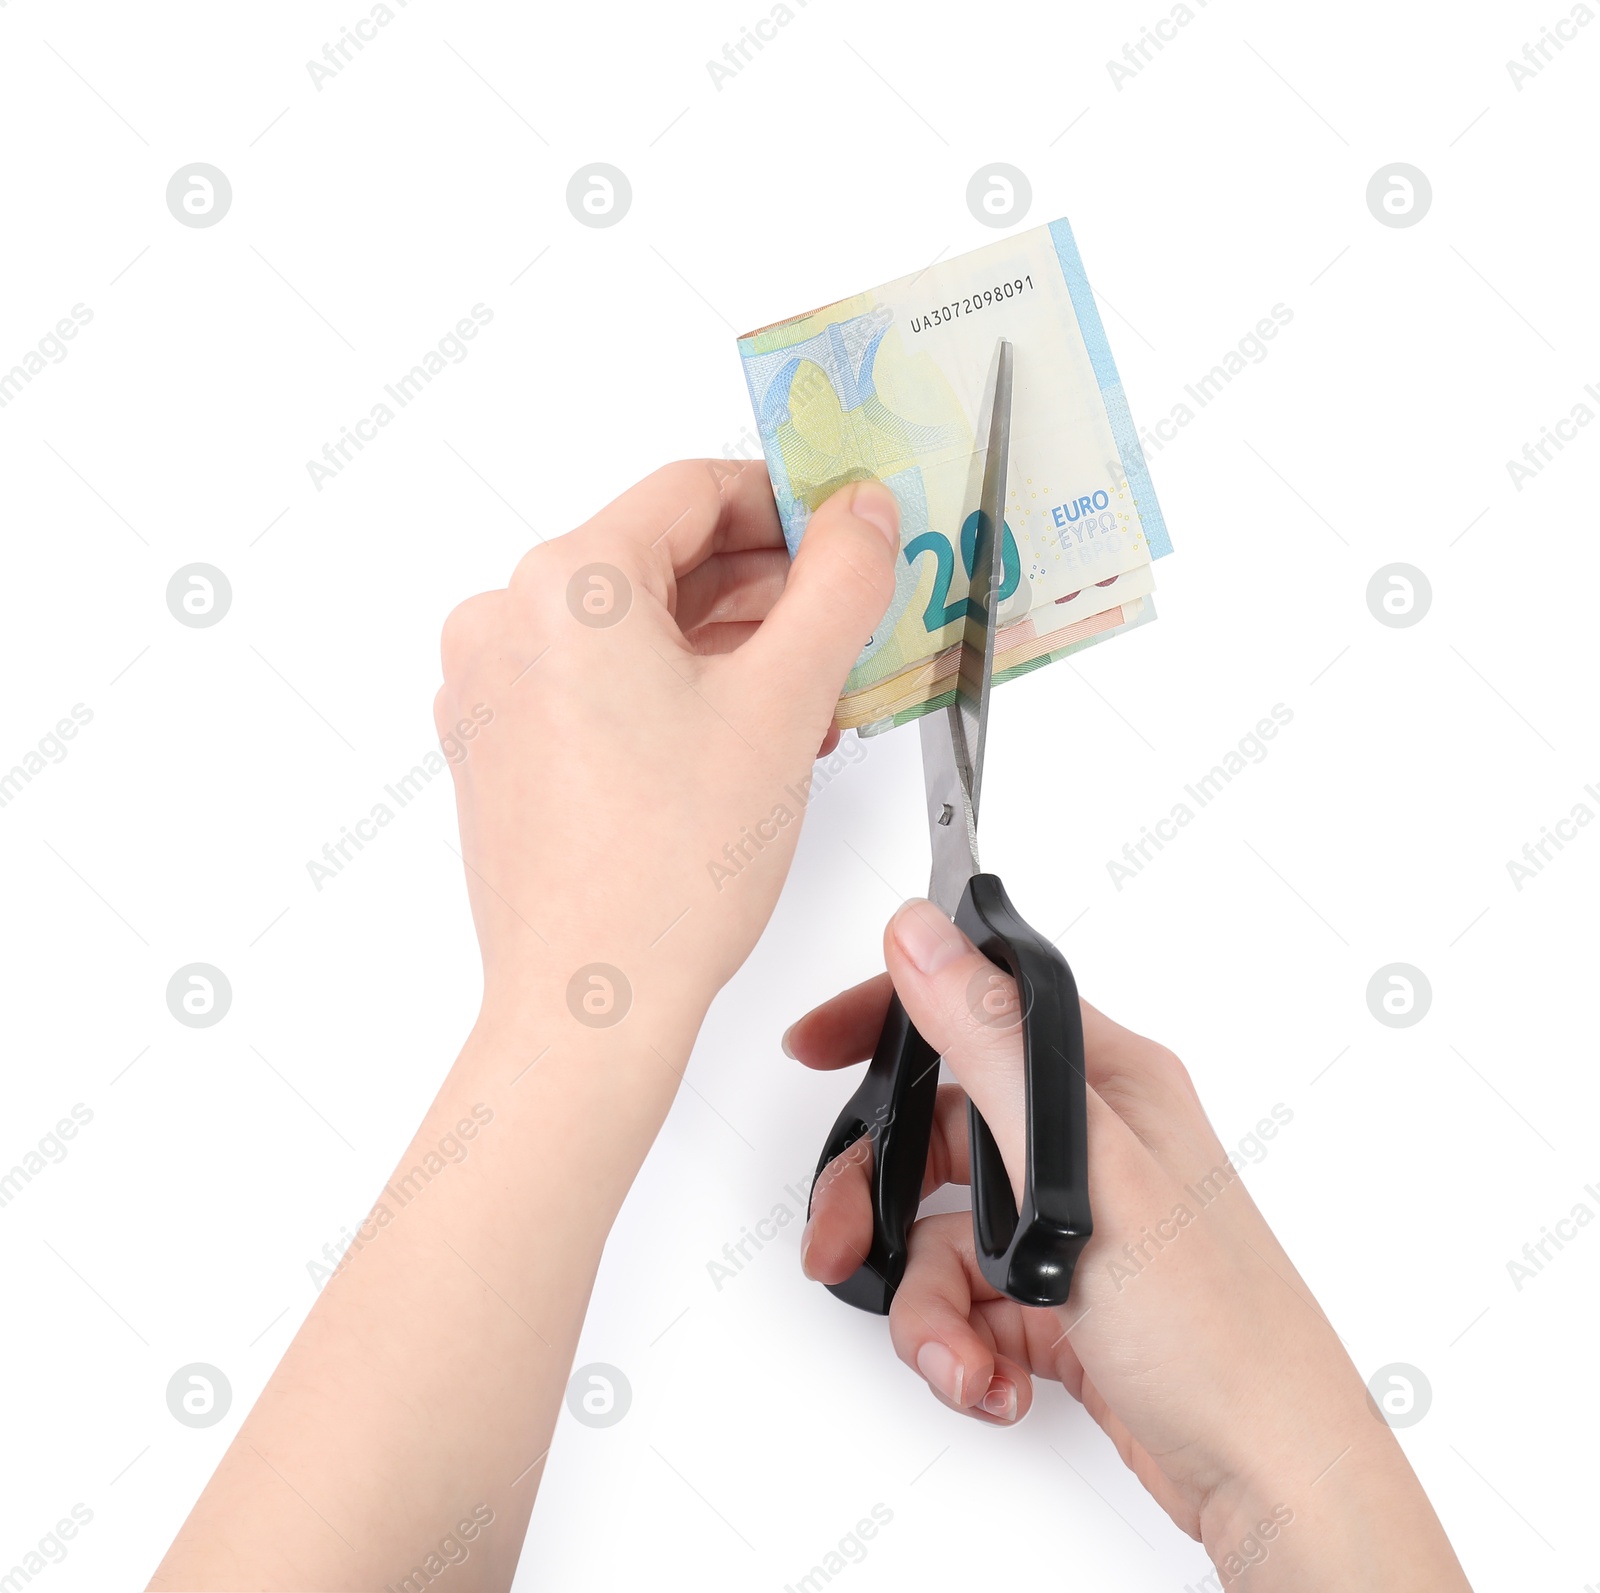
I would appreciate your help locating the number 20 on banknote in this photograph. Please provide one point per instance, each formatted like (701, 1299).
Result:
(939, 611)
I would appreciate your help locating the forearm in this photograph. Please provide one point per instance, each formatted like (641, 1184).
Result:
(1343, 1510)
(421, 1393)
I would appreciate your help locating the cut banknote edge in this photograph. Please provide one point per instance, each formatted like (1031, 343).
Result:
(883, 717)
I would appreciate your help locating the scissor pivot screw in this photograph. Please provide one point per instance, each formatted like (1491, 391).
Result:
(948, 814)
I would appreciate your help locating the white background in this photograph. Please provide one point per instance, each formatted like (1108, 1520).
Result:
(1229, 175)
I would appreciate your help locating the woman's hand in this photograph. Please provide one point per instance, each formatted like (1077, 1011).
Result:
(1189, 1336)
(632, 722)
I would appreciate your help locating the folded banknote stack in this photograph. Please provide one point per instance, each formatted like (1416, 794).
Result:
(894, 383)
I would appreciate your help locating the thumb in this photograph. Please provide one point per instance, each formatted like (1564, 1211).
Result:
(967, 1010)
(837, 590)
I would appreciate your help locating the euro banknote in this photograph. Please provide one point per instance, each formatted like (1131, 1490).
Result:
(1018, 650)
(892, 383)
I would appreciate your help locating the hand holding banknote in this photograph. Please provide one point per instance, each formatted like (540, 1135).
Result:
(640, 700)
(682, 673)
(1189, 1337)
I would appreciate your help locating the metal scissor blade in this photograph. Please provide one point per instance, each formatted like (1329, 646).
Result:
(953, 738)
(988, 562)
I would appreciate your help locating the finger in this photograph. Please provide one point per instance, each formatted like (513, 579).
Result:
(838, 588)
(731, 586)
(934, 1329)
(837, 1236)
(712, 641)
(949, 1154)
(829, 741)
(681, 514)
(966, 1009)
(467, 625)
(843, 1029)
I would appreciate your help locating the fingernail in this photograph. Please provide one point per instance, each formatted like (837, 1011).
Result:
(927, 937)
(788, 1050)
(805, 1241)
(873, 501)
(1001, 1400)
(939, 1364)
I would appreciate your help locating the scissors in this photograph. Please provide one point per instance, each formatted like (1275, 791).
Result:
(1027, 1254)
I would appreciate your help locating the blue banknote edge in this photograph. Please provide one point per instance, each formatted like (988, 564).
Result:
(1123, 431)
(792, 514)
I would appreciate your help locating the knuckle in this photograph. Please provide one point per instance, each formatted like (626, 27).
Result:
(1163, 1069)
(693, 483)
(466, 628)
(687, 488)
(546, 565)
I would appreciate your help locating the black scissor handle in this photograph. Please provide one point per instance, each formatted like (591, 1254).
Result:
(894, 1104)
(1029, 1253)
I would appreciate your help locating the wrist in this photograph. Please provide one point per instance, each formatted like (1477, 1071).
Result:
(594, 1007)
(555, 1116)
(599, 1045)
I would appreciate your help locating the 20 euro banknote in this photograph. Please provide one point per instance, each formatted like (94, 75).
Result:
(892, 383)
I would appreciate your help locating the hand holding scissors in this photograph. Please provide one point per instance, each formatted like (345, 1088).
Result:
(1025, 1248)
